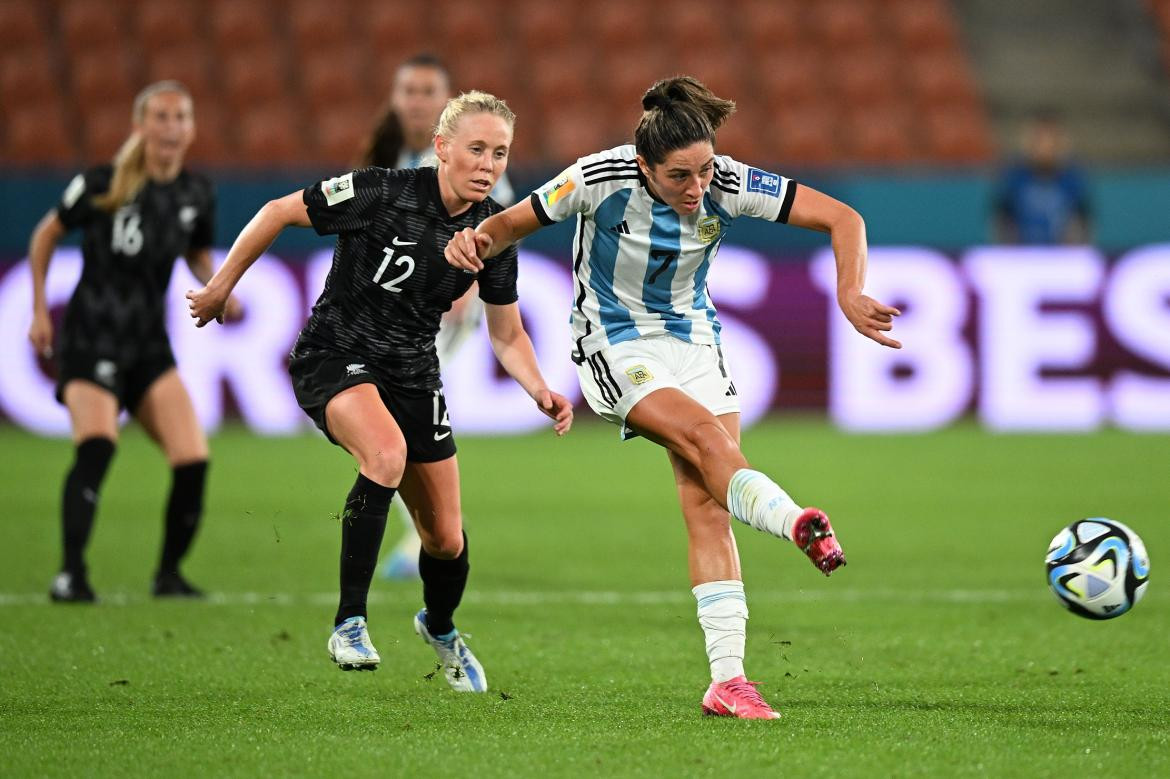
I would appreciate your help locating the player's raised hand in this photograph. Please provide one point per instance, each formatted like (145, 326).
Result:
(40, 333)
(465, 249)
(207, 304)
(871, 318)
(557, 408)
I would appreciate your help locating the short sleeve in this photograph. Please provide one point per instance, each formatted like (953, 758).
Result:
(497, 280)
(203, 234)
(76, 205)
(349, 202)
(748, 191)
(562, 197)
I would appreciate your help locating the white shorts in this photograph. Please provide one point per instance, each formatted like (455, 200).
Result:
(617, 377)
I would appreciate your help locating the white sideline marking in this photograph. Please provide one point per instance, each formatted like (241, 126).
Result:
(572, 598)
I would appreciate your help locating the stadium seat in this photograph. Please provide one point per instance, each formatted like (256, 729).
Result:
(190, 64)
(840, 24)
(790, 75)
(619, 26)
(565, 78)
(806, 135)
(922, 24)
(102, 77)
(940, 77)
(394, 29)
(575, 133)
(26, 78)
(36, 133)
(104, 129)
(271, 134)
(253, 76)
(88, 24)
(240, 25)
(863, 76)
(769, 26)
(621, 81)
(22, 27)
(315, 26)
(957, 135)
(164, 24)
(746, 136)
(215, 142)
(330, 78)
(695, 25)
(721, 74)
(882, 134)
(338, 133)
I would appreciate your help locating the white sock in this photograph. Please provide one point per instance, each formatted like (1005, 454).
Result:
(756, 500)
(723, 615)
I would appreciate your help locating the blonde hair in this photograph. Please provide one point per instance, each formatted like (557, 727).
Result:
(473, 102)
(130, 161)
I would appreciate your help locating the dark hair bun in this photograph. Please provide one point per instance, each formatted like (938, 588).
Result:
(656, 97)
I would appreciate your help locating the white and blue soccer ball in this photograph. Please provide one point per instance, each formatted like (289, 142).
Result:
(1098, 568)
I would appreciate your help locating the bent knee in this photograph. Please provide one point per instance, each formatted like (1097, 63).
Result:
(384, 465)
(709, 439)
(445, 546)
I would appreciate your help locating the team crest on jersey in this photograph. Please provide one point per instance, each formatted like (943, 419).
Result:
(563, 186)
(708, 229)
(639, 374)
(355, 368)
(338, 190)
(187, 216)
(104, 372)
(763, 182)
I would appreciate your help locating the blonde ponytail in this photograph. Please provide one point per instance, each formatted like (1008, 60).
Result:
(129, 175)
(130, 161)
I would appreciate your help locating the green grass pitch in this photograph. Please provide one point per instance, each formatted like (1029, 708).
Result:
(938, 651)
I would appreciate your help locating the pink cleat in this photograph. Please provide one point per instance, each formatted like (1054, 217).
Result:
(814, 535)
(737, 698)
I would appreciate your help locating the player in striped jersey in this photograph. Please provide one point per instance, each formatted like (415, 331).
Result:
(647, 338)
(403, 138)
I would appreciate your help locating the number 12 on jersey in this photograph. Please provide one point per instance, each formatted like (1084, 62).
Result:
(400, 261)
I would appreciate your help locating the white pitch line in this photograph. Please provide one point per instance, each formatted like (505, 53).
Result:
(575, 597)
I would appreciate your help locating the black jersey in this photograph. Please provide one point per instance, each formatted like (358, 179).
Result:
(390, 284)
(118, 310)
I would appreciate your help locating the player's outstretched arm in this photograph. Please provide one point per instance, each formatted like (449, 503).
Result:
(209, 303)
(817, 211)
(40, 251)
(469, 247)
(513, 349)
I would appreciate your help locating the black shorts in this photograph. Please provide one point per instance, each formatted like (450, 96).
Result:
(421, 414)
(128, 380)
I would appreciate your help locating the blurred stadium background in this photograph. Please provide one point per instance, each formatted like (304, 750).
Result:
(906, 109)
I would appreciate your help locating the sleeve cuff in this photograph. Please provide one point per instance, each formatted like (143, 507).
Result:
(541, 214)
(786, 206)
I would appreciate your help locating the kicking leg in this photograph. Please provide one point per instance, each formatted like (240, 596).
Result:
(676, 421)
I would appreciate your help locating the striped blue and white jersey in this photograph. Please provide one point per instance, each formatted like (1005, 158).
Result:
(639, 268)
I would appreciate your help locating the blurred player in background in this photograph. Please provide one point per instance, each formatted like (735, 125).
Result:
(647, 337)
(1043, 198)
(403, 137)
(136, 216)
(365, 367)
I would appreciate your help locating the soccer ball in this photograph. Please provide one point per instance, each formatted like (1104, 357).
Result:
(1098, 568)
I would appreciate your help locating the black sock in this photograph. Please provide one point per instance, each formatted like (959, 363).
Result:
(443, 585)
(362, 524)
(184, 509)
(79, 502)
